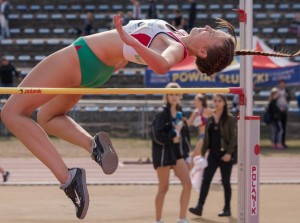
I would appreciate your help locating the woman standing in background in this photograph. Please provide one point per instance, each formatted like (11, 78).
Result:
(167, 153)
(220, 141)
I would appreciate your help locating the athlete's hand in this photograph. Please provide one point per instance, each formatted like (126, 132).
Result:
(127, 39)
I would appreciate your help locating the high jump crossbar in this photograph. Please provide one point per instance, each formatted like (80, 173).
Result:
(117, 91)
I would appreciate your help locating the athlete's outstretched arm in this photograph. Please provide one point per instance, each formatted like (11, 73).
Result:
(159, 63)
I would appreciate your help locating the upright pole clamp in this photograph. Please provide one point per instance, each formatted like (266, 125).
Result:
(242, 15)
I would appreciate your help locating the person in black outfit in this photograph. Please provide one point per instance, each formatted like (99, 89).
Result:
(88, 24)
(152, 10)
(168, 152)
(276, 120)
(221, 142)
(192, 15)
(284, 98)
(178, 21)
(7, 73)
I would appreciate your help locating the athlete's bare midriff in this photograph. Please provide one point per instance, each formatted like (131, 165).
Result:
(107, 46)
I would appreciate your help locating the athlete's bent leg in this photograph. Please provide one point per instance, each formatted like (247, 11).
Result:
(52, 117)
(60, 69)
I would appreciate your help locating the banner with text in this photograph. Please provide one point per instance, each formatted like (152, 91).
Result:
(193, 78)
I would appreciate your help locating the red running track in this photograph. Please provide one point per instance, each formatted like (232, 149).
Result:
(30, 171)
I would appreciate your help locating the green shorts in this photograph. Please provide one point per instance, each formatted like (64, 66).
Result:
(93, 71)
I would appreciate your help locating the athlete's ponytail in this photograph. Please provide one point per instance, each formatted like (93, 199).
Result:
(259, 53)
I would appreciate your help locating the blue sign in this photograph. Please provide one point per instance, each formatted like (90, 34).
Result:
(193, 78)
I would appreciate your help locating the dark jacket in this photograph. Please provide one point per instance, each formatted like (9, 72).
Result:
(288, 95)
(163, 133)
(7, 73)
(192, 12)
(274, 111)
(228, 135)
(152, 10)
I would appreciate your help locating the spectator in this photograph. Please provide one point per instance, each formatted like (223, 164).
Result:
(136, 11)
(88, 24)
(192, 15)
(199, 118)
(5, 174)
(128, 17)
(178, 21)
(283, 104)
(152, 10)
(4, 12)
(295, 26)
(7, 73)
(221, 142)
(167, 154)
(275, 117)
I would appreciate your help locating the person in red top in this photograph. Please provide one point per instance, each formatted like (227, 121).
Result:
(199, 118)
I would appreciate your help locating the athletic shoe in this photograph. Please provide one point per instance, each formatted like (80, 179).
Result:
(197, 210)
(182, 221)
(104, 153)
(77, 192)
(225, 213)
(160, 221)
(5, 176)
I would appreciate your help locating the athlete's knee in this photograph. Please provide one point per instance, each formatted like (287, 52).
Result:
(42, 118)
(4, 115)
(8, 116)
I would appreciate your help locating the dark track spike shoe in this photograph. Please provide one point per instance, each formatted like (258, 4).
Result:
(78, 193)
(104, 153)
